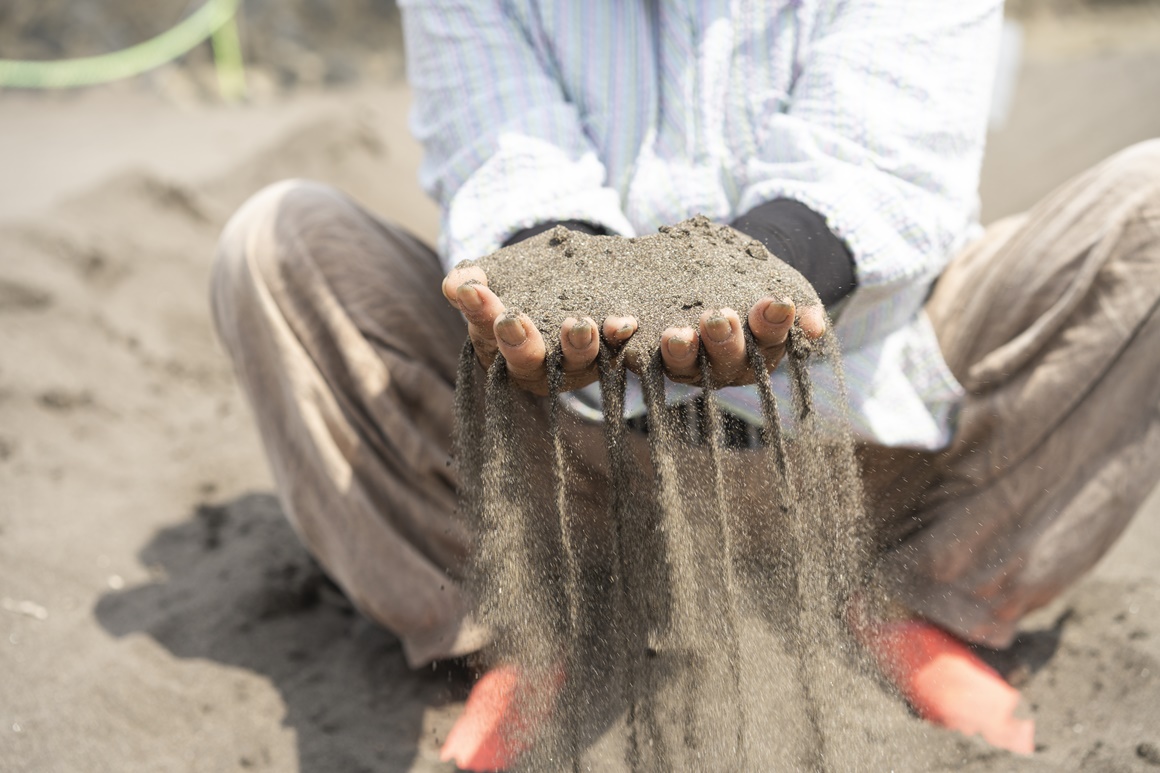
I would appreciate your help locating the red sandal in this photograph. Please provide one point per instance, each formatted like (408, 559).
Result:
(502, 712)
(947, 684)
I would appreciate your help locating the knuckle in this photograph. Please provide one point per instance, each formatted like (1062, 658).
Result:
(579, 378)
(772, 350)
(682, 376)
(480, 332)
(578, 366)
(518, 361)
(775, 341)
(524, 364)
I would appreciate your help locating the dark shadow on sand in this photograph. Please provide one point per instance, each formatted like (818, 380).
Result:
(1029, 653)
(240, 589)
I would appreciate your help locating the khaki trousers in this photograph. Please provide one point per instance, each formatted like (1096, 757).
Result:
(347, 350)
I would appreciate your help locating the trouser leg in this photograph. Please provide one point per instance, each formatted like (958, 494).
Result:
(1050, 322)
(346, 351)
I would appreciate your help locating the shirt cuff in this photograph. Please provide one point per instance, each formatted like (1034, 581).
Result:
(800, 237)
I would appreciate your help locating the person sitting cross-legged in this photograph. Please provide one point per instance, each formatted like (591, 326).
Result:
(1002, 381)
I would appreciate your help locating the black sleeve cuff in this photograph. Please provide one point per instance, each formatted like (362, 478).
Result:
(799, 236)
(539, 228)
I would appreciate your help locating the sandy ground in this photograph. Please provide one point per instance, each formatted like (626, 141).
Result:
(157, 613)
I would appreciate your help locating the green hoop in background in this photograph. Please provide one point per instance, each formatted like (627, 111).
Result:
(216, 20)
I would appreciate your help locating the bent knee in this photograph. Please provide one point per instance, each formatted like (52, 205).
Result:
(1132, 180)
(268, 230)
(1144, 154)
(273, 215)
(271, 227)
(1135, 170)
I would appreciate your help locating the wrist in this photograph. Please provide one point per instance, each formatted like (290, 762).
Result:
(799, 236)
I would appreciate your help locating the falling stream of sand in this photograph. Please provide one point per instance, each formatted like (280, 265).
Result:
(703, 628)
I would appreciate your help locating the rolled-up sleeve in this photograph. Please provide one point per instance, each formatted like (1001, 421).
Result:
(883, 136)
(504, 147)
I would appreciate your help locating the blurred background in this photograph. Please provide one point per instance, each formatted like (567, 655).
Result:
(289, 44)
(1080, 79)
(156, 612)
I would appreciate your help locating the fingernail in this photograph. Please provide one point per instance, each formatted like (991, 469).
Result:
(625, 330)
(469, 297)
(511, 331)
(776, 313)
(580, 336)
(718, 329)
(679, 347)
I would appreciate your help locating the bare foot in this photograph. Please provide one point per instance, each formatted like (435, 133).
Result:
(946, 683)
(492, 329)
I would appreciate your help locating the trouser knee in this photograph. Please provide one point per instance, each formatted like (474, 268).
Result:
(254, 242)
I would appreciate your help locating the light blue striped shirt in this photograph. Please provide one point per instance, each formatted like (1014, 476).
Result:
(635, 114)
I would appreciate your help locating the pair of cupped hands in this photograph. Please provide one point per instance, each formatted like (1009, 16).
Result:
(493, 329)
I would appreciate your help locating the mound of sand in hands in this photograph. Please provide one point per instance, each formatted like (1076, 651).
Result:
(664, 280)
(644, 621)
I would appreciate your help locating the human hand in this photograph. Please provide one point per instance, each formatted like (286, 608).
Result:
(720, 332)
(492, 329)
